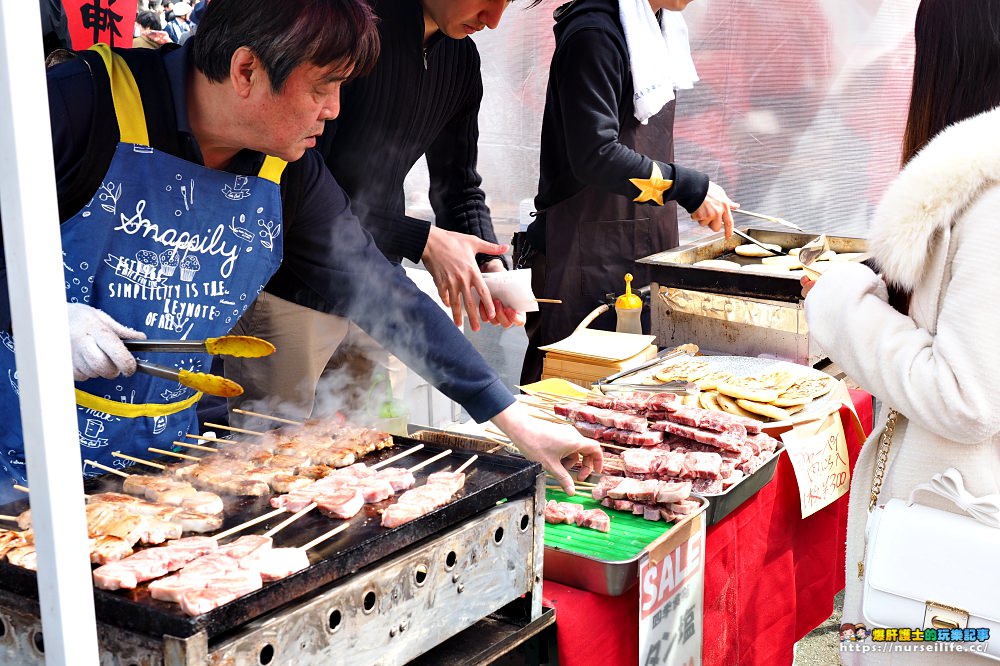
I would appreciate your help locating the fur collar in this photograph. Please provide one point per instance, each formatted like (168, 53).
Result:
(931, 192)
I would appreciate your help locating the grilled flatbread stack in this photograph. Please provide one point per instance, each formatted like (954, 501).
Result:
(776, 395)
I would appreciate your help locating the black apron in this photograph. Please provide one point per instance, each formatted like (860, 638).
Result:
(592, 240)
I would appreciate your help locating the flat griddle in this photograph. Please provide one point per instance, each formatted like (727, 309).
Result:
(491, 478)
(674, 268)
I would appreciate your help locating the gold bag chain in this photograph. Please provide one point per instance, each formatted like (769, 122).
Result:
(881, 461)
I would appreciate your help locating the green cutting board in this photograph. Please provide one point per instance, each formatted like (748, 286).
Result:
(628, 536)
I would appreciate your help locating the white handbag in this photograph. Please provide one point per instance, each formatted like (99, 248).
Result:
(927, 568)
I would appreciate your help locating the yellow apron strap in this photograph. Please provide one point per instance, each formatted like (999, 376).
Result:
(271, 169)
(131, 411)
(125, 92)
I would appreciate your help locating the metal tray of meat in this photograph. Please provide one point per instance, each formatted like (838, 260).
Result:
(673, 268)
(603, 563)
(722, 504)
(492, 478)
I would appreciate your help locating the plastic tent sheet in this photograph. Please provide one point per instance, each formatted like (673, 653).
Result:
(799, 112)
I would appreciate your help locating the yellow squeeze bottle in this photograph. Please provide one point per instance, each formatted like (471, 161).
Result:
(628, 308)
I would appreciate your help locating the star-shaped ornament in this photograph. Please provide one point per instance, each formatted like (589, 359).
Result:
(652, 188)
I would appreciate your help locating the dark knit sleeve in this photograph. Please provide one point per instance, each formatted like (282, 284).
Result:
(589, 70)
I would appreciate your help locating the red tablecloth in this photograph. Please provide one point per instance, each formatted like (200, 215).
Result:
(770, 578)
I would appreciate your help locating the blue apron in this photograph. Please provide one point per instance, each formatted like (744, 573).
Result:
(167, 247)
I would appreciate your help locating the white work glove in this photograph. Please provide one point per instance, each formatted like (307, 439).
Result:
(96, 342)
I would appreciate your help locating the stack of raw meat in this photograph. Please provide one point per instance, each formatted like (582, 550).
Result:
(574, 514)
(713, 450)
(652, 499)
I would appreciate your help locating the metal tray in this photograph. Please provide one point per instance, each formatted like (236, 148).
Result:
(493, 478)
(722, 504)
(611, 577)
(673, 268)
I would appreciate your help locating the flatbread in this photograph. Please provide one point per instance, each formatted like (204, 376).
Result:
(729, 405)
(712, 379)
(765, 388)
(803, 391)
(710, 400)
(689, 370)
(765, 409)
(751, 250)
(717, 263)
(691, 400)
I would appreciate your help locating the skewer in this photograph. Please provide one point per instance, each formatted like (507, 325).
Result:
(291, 519)
(164, 452)
(615, 446)
(12, 519)
(209, 438)
(119, 454)
(499, 447)
(23, 489)
(430, 460)
(249, 523)
(232, 429)
(543, 417)
(197, 447)
(561, 398)
(98, 465)
(266, 416)
(585, 484)
(380, 465)
(323, 537)
(549, 300)
(467, 463)
(498, 433)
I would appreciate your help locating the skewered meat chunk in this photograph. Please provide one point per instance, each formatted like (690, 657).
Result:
(277, 563)
(203, 502)
(398, 477)
(24, 556)
(594, 519)
(561, 512)
(286, 483)
(343, 504)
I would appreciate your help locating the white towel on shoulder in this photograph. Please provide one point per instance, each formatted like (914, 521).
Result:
(659, 55)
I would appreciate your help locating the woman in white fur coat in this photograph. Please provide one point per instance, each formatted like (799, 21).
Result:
(935, 239)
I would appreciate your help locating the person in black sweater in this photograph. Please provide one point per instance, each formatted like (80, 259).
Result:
(421, 98)
(607, 188)
(222, 105)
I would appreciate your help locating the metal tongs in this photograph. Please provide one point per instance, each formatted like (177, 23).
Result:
(769, 218)
(199, 381)
(688, 388)
(808, 253)
(241, 346)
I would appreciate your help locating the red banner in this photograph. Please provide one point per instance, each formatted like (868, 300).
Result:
(108, 21)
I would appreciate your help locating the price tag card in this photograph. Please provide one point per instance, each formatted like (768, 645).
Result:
(818, 451)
